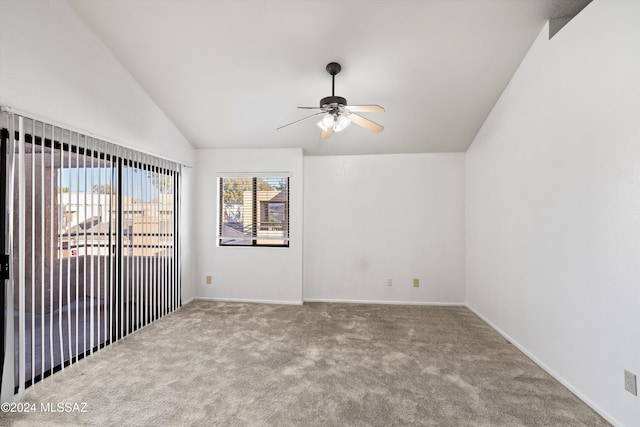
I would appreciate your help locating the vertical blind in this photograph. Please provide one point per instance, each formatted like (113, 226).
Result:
(93, 242)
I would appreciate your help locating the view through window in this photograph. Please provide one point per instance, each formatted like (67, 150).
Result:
(254, 211)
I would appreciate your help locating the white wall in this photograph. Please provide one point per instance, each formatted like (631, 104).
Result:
(369, 218)
(553, 207)
(266, 274)
(53, 66)
(188, 233)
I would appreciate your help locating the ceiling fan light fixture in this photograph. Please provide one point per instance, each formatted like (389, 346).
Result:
(341, 123)
(335, 122)
(336, 114)
(327, 122)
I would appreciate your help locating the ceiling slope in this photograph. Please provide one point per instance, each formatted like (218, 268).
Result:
(228, 73)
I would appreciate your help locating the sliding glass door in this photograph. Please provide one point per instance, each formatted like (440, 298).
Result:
(149, 265)
(93, 243)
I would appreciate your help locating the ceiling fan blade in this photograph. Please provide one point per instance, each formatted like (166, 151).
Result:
(365, 108)
(365, 123)
(326, 133)
(299, 120)
(311, 108)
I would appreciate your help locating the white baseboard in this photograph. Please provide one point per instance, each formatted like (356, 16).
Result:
(360, 301)
(550, 371)
(187, 301)
(253, 301)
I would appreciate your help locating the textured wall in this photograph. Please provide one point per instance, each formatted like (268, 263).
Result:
(371, 218)
(553, 207)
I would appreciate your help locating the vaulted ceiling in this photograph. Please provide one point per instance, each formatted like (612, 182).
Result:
(228, 73)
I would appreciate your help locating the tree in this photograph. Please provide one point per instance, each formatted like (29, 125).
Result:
(264, 185)
(234, 189)
(164, 183)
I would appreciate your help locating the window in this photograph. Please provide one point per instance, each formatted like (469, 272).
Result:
(253, 211)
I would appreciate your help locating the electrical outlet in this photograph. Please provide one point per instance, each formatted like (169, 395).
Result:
(208, 279)
(416, 283)
(389, 282)
(630, 382)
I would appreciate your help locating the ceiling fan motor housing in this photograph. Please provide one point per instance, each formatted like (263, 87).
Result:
(332, 100)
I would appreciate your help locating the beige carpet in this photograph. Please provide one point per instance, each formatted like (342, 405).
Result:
(236, 364)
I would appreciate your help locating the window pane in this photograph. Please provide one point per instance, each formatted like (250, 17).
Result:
(272, 197)
(68, 199)
(254, 211)
(237, 211)
(148, 242)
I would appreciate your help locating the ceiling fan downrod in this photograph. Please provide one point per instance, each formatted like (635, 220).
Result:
(333, 68)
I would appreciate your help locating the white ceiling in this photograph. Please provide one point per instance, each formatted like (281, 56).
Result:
(228, 73)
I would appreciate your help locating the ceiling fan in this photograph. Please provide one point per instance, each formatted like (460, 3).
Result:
(336, 114)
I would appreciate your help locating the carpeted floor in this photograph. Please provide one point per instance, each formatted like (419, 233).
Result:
(320, 364)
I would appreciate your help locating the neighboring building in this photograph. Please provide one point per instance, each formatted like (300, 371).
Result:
(88, 220)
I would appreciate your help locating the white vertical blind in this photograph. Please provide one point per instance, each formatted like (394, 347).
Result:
(21, 255)
(67, 215)
(52, 241)
(92, 236)
(43, 270)
(33, 260)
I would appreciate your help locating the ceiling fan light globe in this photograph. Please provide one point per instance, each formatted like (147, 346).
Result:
(341, 123)
(327, 122)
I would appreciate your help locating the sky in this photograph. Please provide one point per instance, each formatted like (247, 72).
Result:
(136, 183)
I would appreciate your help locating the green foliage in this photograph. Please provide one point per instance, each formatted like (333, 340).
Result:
(234, 189)
(164, 183)
(264, 185)
(280, 185)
